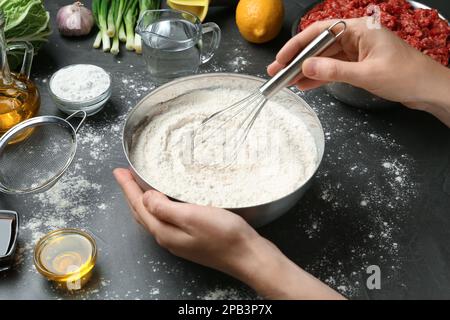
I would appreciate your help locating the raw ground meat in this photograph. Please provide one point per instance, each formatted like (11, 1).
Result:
(421, 28)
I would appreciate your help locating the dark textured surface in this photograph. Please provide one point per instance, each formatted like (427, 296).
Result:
(382, 194)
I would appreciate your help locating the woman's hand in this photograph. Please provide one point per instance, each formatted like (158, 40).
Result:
(221, 240)
(212, 237)
(376, 60)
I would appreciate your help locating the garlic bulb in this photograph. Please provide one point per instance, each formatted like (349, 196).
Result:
(74, 20)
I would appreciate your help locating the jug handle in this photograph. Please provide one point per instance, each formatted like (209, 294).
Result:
(214, 43)
(27, 57)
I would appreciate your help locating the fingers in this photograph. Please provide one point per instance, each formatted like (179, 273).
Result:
(158, 205)
(329, 69)
(301, 40)
(335, 51)
(165, 234)
(132, 191)
(134, 213)
(188, 217)
(309, 84)
(274, 68)
(172, 212)
(129, 186)
(296, 44)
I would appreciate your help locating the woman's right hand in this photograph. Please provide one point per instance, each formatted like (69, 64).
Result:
(374, 59)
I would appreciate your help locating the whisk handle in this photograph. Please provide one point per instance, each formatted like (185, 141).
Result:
(314, 48)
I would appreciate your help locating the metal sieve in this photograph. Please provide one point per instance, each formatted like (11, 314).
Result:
(35, 153)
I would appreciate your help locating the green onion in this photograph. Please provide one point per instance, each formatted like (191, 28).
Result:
(103, 14)
(122, 34)
(95, 14)
(116, 19)
(98, 40)
(130, 21)
(120, 6)
(111, 30)
(144, 5)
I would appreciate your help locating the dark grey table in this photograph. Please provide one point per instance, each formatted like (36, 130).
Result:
(381, 197)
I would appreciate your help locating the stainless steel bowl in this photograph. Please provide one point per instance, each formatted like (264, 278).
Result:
(150, 105)
(347, 93)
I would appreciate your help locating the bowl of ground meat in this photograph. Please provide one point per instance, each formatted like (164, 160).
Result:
(422, 27)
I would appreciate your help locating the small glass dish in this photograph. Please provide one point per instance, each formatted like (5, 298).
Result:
(91, 106)
(66, 256)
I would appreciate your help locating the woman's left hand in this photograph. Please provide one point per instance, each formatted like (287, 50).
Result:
(222, 240)
(210, 236)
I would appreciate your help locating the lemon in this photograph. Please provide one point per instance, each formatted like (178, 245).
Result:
(196, 7)
(259, 21)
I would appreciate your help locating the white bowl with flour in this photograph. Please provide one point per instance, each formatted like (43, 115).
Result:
(274, 166)
(78, 87)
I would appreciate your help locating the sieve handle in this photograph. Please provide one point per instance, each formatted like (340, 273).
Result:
(77, 114)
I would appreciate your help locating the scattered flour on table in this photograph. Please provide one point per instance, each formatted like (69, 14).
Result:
(224, 294)
(237, 60)
(66, 204)
(77, 196)
(238, 63)
(368, 195)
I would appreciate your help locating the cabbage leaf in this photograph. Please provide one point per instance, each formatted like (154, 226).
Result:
(26, 20)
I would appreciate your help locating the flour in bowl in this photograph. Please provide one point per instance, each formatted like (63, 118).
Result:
(80, 82)
(278, 156)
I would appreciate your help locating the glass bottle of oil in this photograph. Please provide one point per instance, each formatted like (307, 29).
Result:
(19, 97)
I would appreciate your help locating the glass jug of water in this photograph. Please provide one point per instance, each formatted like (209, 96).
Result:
(173, 44)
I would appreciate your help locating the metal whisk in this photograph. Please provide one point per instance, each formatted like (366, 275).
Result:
(245, 112)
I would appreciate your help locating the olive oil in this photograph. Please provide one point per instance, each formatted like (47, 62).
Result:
(66, 256)
(19, 97)
(19, 101)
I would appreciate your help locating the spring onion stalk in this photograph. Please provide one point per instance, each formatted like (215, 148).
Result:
(95, 13)
(122, 34)
(102, 16)
(116, 19)
(98, 40)
(111, 30)
(137, 43)
(115, 44)
(120, 6)
(130, 21)
(143, 6)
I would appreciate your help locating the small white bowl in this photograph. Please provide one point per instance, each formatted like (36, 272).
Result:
(91, 106)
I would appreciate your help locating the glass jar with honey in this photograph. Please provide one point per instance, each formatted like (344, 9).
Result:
(19, 97)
